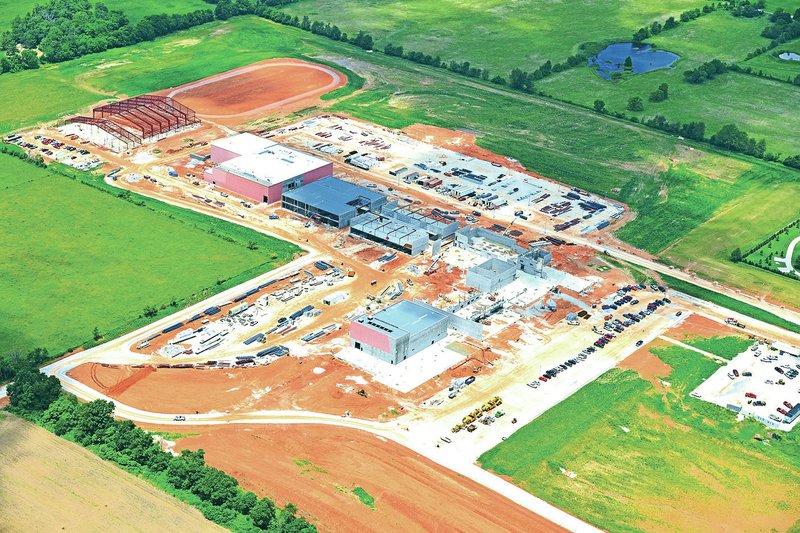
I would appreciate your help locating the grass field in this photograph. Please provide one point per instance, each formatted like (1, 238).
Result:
(134, 10)
(650, 458)
(726, 347)
(731, 98)
(730, 303)
(743, 222)
(49, 484)
(772, 65)
(76, 258)
(494, 34)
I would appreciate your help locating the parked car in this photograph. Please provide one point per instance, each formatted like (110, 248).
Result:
(639, 343)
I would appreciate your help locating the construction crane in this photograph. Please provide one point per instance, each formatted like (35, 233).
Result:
(432, 268)
(508, 229)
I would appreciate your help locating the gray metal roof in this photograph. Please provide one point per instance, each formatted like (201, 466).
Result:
(333, 195)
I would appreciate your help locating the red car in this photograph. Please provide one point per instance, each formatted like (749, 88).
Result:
(781, 411)
(543, 378)
(749, 395)
(736, 373)
(788, 405)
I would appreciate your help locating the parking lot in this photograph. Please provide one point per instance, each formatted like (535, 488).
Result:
(760, 382)
(70, 153)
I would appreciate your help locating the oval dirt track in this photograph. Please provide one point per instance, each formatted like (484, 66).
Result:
(257, 88)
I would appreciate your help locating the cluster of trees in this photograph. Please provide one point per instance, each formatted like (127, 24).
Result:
(92, 425)
(660, 94)
(732, 138)
(656, 27)
(635, 104)
(761, 74)
(785, 27)
(66, 29)
(706, 71)
(13, 362)
(691, 130)
(746, 9)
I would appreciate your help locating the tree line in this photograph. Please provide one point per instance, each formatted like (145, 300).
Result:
(656, 27)
(187, 476)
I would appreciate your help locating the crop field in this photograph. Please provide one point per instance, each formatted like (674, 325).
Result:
(76, 258)
(650, 458)
(628, 163)
(48, 484)
(494, 34)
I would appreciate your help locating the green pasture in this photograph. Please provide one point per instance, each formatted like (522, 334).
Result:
(494, 34)
(777, 246)
(770, 64)
(650, 458)
(764, 108)
(77, 257)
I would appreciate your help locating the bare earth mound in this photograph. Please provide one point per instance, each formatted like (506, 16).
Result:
(318, 467)
(246, 92)
(50, 484)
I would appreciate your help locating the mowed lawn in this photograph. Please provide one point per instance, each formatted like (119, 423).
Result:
(76, 258)
(648, 457)
(495, 34)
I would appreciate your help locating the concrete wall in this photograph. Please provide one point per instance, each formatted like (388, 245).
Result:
(242, 186)
(220, 155)
(324, 171)
(461, 325)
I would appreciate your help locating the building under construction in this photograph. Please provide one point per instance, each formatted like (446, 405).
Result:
(390, 232)
(129, 123)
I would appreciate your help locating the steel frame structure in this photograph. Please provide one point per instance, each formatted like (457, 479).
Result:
(141, 118)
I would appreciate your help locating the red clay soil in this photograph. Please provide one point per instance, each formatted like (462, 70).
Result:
(700, 326)
(317, 468)
(277, 84)
(647, 365)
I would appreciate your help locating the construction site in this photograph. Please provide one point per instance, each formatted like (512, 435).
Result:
(442, 301)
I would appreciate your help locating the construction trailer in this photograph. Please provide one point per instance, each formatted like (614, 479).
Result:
(134, 121)
(260, 169)
(332, 201)
(390, 232)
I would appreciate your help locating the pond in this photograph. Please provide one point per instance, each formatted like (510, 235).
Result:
(789, 56)
(644, 58)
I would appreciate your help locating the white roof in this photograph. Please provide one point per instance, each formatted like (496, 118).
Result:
(243, 144)
(272, 165)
